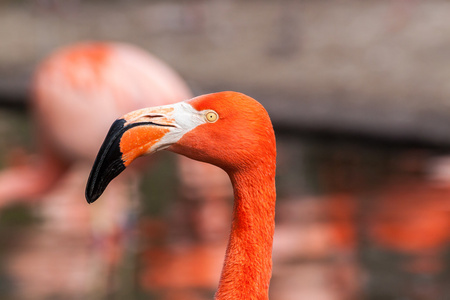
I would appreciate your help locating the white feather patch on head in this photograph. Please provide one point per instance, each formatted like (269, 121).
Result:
(186, 119)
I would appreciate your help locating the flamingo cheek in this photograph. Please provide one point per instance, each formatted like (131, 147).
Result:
(139, 140)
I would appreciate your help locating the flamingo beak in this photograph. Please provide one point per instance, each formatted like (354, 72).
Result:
(140, 132)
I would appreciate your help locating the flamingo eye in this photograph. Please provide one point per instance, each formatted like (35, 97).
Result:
(211, 116)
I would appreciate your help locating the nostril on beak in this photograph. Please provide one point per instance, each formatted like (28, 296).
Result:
(155, 116)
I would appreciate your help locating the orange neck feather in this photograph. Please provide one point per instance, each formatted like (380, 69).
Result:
(248, 262)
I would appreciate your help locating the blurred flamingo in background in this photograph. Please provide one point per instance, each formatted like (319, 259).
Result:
(69, 90)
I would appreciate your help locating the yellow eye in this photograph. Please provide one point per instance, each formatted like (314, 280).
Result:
(211, 116)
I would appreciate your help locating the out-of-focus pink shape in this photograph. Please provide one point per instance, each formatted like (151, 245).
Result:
(80, 90)
(77, 92)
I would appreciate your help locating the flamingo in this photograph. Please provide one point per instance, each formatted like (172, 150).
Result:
(227, 129)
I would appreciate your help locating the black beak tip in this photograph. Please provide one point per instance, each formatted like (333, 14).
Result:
(108, 163)
(90, 196)
(90, 199)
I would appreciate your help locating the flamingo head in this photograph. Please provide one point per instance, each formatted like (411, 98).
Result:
(227, 129)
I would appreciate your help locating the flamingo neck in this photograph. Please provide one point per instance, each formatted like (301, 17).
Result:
(248, 262)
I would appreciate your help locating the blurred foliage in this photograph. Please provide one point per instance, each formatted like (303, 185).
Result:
(15, 216)
(16, 133)
(159, 184)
